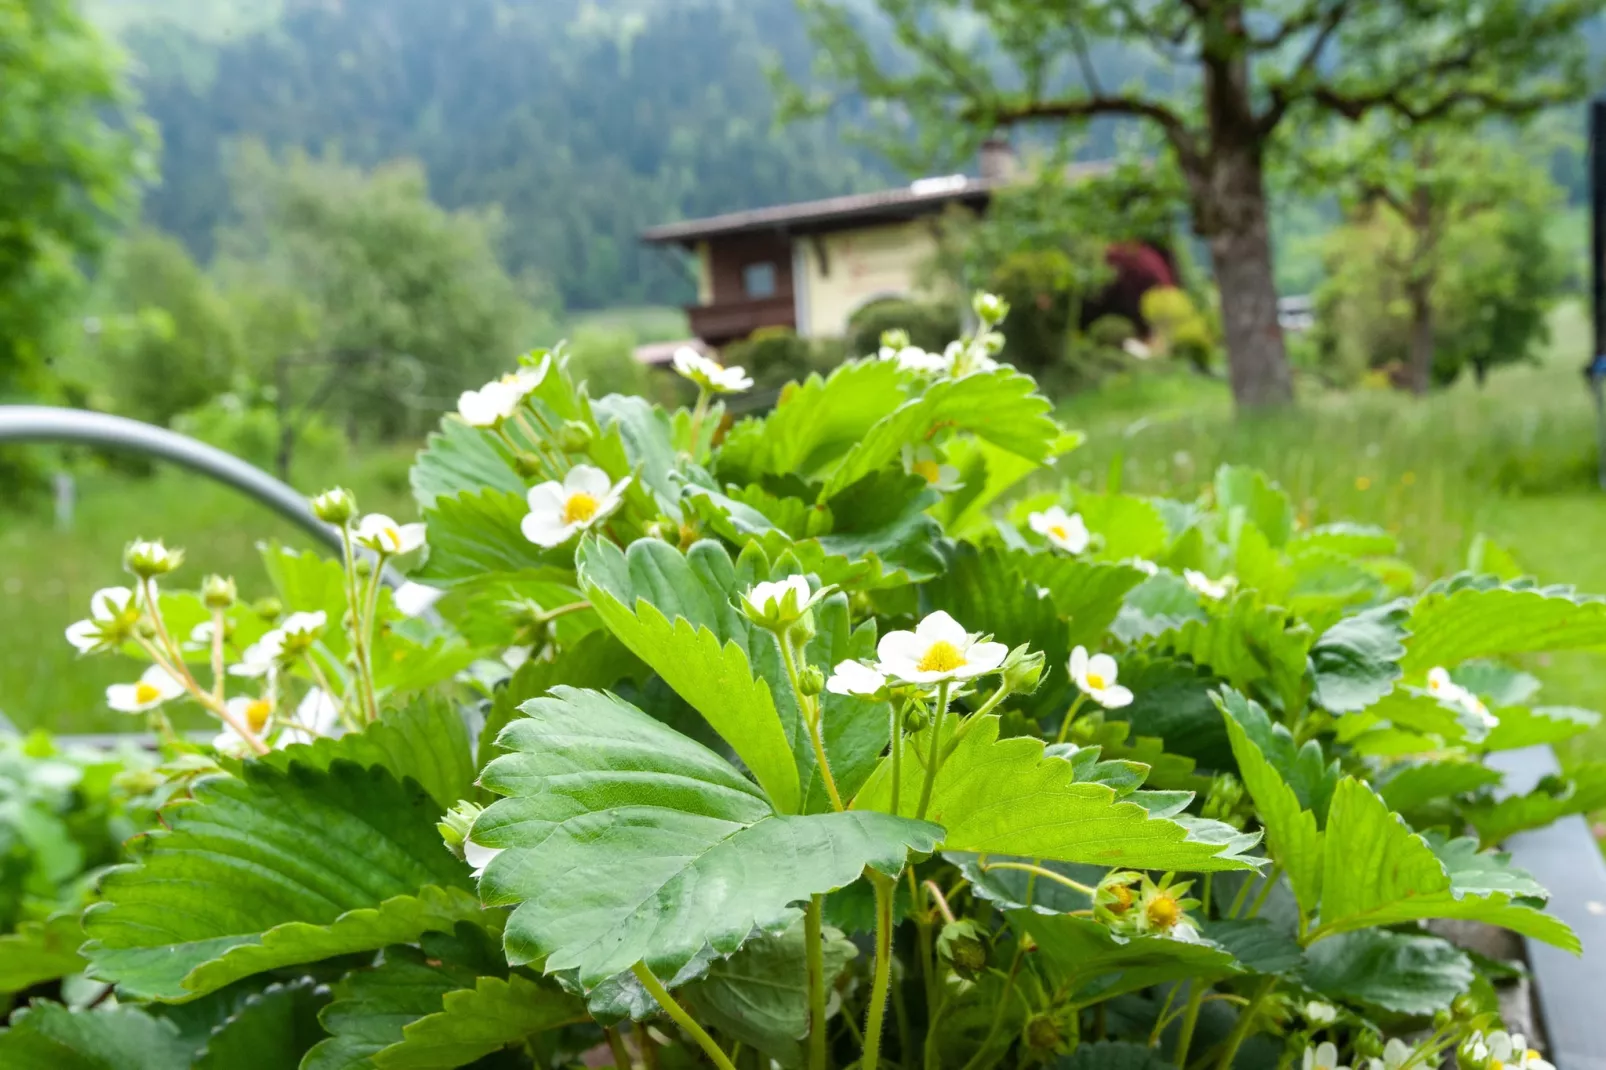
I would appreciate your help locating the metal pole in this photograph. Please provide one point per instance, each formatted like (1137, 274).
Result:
(45, 423)
(1595, 370)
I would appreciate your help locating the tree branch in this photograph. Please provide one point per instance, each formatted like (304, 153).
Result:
(1284, 94)
(1177, 132)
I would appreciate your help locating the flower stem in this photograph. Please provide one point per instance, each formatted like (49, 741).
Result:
(360, 677)
(365, 624)
(1246, 1023)
(896, 736)
(656, 988)
(1070, 717)
(935, 757)
(814, 950)
(811, 720)
(940, 901)
(217, 654)
(964, 726)
(882, 977)
(1190, 1019)
(616, 1046)
(1040, 871)
(699, 413)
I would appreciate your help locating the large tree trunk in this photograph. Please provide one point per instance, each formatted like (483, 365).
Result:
(1419, 372)
(1228, 189)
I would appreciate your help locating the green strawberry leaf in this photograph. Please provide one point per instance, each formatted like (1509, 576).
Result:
(1356, 661)
(48, 1036)
(1397, 972)
(1085, 958)
(372, 1005)
(1581, 791)
(624, 841)
(40, 951)
(1261, 501)
(271, 1028)
(1460, 620)
(472, 1022)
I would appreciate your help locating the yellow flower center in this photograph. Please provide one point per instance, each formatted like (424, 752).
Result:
(1163, 911)
(941, 656)
(1096, 682)
(257, 714)
(1059, 532)
(929, 470)
(579, 508)
(392, 535)
(144, 692)
(1120, 899)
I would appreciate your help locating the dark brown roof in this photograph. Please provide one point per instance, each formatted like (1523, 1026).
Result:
(924, 196)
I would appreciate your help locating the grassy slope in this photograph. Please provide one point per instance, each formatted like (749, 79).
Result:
(1515, 460)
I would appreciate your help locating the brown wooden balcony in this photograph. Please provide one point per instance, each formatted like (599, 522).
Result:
(728, 321)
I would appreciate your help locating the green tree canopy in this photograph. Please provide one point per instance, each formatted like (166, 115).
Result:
(1232, 85)
(71, 146)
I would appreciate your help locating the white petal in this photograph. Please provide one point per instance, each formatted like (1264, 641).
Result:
(1113, 698)
(374, 526)
(1078, 666)
(108, 602)
(546, 529)
(412, 537)
(901, 646)
(588, 478)
(120, 697)
(479, 857)
(165, 682)
(854, 678)
(84, 634)
(413, 599)
(1438, 679)
(940, 627)
(1104, 667)
(546, 497)
(982, 658)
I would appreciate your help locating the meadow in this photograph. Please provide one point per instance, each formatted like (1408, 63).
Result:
(1514, 461)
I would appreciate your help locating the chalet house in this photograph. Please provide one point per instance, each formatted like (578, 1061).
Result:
(812, 266)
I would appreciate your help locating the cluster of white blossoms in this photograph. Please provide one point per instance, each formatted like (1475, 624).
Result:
(1446, 690)
(1201, 584)
(709, 374)
(500, 398)
(1500, 1050)
(938, 651)
(560, 511)
(1064, 531)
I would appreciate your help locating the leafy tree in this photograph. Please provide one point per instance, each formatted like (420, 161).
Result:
(1446, 262)
(71, 146)
(1240, 79)
(387, 305)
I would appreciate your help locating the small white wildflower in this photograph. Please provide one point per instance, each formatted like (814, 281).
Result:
(710, 374)
(1143, 565)
(1095, 676)
(1441, 687)
(558, 511)
(261, 657)
(155, 686)
(1067, 531)
(854, 678)
(112, 611)
(1199, 583)
(923, 461)
(1323, 1056)
(778, 604)
(1510, 1051)
(1320, 1014)
(380, 533)
(489, 405)
(937, 650)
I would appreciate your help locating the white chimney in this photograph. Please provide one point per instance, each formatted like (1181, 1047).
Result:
(998, 161)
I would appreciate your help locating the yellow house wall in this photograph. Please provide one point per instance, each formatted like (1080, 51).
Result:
(859, 266)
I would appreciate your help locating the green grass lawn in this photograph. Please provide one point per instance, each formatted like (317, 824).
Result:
(1514, 460)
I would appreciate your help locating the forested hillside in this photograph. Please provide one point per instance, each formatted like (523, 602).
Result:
(585, 121)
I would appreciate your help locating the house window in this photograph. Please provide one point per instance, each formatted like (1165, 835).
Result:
(758, 280)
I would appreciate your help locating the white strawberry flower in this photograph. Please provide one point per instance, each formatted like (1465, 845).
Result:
(778, 604)
(380, 533)
(924, 462)
(710, 374)
(1510, 1051)
(915, 359)
(1143, 565)
(524, 379)
(1323, 1056)
(1441, 687)
(1201, 584)
(1320, 1014)
(559, 511)
(255, 713)
(261, 657)
(1065, 530)
(155, 686)
(111, 611)
(1095, 676)
(489, 405)
(854, 678)
(479, 857)
(937, 650)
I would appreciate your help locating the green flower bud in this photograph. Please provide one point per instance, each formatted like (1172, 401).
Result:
(1023, 670)
(1368, 1044)
(811, 681)
(915, 717)
(528, 465)
(455, 825)
(1224, 800)
(1464, 1006)
(896, 338)
(218, 592)
(989, 308)
(335, 506)
(962, 945)
(269, 609)
(574, 437)
(145, 628)
(1042, 1033)
(148, 559)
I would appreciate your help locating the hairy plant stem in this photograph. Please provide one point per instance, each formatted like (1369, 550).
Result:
(810, 705)
(1190, 1019)
(935, 757)
(217, 654)
(675, 1011)
(977, 1060)
(361, 675)
(366, 624)
(881, 980)
(1037, 870)
(1246, 1023)
(170, 659)
(940, 901)
(1265, 891)
(964, 726)
(551, 458)
(896, 735)
(1070, 718)
(547, 468)
(699, 413)
(814, 951)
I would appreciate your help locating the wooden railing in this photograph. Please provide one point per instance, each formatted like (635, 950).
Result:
(728, 321)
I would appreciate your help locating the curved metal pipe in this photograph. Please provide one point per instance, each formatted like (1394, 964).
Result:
(47, 423)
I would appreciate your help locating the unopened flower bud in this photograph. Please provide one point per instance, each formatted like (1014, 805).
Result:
(989, 308)
(896, 338)
(1464, 1006)
(1042, 1033)
(148, 559)
(811, 681)
(364, 566)
(1225, 797)
(1368, 1044)
(1023, 670)
(218, 592)
(145, 628)
(454, 826)
(528, 465)
(574, 437)
(915, 717)
(962, 946)
(269, 609)
(335, 506)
